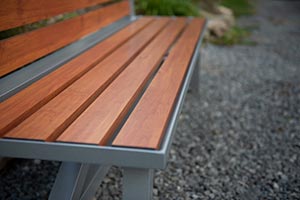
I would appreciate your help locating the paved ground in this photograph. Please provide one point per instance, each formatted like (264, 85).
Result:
(238, 139)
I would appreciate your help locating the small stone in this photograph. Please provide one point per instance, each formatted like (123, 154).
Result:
(275, 186)
(37, 162)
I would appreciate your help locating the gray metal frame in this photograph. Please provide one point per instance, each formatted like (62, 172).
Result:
(84, 178)
(132, 10)
(128, 157)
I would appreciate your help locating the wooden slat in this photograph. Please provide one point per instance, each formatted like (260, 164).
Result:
(14, 13)
(49, 121)
(147, 123)
(18, 107)
(97, 124)
(23, 49)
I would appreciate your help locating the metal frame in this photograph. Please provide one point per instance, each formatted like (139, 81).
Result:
(132, 10)
(137, 163)
(128, 157)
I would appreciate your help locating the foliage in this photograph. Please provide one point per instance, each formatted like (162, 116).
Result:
(166, 7)
(235, 35)
(239, 7)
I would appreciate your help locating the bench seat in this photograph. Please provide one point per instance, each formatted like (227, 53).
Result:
(98, 102)
(87, 99)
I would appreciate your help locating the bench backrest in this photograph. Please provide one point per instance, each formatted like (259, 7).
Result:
(87, 16)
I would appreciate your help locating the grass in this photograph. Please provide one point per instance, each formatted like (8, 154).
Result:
(166, 7)
(239, 7)
(236, 35)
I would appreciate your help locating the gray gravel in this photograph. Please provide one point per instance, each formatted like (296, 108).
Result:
(238, 139)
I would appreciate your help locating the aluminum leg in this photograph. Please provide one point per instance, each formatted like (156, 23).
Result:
(137, 183)
(69, 181)
(195, 78)
(94, 178)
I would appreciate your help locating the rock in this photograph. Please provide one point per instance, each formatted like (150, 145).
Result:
(217, 27)
(219, 24)
(227, 15)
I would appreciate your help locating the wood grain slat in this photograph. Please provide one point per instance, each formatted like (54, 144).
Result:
(50, 120)
(14, 13)
(18, 107)
(148, 121)
(99, 121)
(23, 49)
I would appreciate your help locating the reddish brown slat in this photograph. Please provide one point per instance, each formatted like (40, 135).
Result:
(49, 121)
(23, 49)
(15, 13)
(96, 124)
(146, 124)
(18, 107)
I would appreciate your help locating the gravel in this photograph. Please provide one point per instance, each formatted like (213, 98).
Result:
(238, 139)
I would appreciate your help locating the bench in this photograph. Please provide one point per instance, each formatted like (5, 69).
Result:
(102, 88)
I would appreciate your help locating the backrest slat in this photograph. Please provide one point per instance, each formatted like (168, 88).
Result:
(14, 13)
(25, 48)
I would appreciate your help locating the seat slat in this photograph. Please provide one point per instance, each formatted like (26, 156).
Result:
(14, 13)
(99, 121)
(25, 48)
(49, 121)
(147, 123)
(18, 107)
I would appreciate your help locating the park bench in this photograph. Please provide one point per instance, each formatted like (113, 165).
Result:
(102, 88)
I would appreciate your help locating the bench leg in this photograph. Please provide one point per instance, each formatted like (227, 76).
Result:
(137, 184)
(94, 178)
(76, 181)
(69, 181)
(194, 86)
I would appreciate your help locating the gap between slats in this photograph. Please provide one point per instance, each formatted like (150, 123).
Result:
(49, 121)
(147, 123)
(100, 120)
(18, 107)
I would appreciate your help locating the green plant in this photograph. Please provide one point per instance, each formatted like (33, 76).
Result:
(166, 7)
(239, 7)
(236, 35)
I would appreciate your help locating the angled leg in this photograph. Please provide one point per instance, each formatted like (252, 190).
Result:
(69, 181)
(94, 178)
(195, 78)
(137, 183)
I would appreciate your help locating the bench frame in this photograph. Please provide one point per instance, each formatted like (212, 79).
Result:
(84, 166)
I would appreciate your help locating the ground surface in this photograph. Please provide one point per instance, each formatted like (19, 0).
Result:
(238, 139)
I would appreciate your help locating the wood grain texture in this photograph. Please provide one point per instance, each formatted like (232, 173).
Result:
(50, 120)
(99, 121)
(23, 49)
(14, 13)
(147, 123)
(18, 107)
